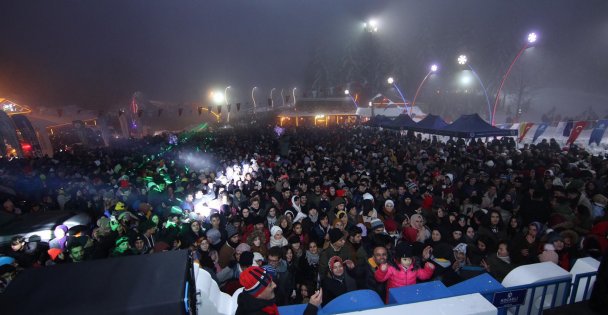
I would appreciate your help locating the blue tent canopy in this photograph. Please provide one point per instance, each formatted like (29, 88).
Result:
(430, 124)
(402, 121)
(473, 126)
(377, 121)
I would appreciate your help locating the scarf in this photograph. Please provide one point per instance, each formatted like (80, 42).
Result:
(506, 259)
(314, 218)
(271, 309)
(313, 259)
(271, 221)
(282, 242)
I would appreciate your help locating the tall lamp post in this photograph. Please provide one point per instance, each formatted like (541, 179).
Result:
(226, 98)
(271, 99)
(462, 60)
(253, 98)
(391, 81)
(433, 69)
(532, 37)
(347, 92)
(293, 93)
(371, 27)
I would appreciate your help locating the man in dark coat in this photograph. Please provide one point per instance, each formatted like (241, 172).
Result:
(257, 297)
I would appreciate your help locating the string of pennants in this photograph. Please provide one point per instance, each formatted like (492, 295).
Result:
(571, 129)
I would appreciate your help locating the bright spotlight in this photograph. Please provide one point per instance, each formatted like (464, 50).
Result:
(462, 59)
(532, 38)
(346, 92)
(465, 80)
(218, 97)
(434, 68)
(373, 23)
(370, 104)
(390, 80)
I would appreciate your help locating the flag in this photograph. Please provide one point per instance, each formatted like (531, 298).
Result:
(598, 131)
(539, 131)
(523, 129)
(568, 128)
(576, 131)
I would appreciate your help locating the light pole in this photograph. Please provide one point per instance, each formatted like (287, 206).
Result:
(271, 99)
(391, 81)
(371, 27)
(433, 69)
(226, 98)
(532, 37)
(347, 92)
(462, 60)
(293, 93)
(253, 98)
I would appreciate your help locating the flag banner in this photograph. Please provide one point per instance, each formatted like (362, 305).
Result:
(576, 131)
(540, 130)
(598, 132)
(523, 129)
(568, 128)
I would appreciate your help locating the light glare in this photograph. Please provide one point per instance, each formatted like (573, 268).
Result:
(434, 68)
(462, 59)
(390, 80)
(532, 38)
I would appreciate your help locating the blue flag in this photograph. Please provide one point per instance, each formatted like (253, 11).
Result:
(568, 128)
(539, 131)
(598, 131)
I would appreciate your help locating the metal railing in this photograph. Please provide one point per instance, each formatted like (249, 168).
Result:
(588, 279)
(558, 290)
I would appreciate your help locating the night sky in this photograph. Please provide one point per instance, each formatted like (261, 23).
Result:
(95, 54)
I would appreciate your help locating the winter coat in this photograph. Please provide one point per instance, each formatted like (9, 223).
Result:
(332, 287)
(398, 277)
(249, 305)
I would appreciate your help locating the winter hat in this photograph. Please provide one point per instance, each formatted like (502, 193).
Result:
(368, 196)
(119, 206)
(214, 236)
(389, 202)
(554, 237)
(243, 247)
(294, 239)
(53, 253)
(390, 226)
(257, 257)
(404, 250)
(549, 254)
(122, 240)
(539, 227)
(376, 223)
(270, 270)
(333, 260)
(231, 230)
(255, 280)
(363, 229)
(462, 248)
(246, 258)
(289, 213)
(411, 186)
(335, 235)
(274, 230)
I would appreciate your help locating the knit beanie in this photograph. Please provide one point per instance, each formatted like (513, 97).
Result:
(376, 223)
(274, 230)
(230, 230)
(335, 235)
(243, 247)
(254, 280)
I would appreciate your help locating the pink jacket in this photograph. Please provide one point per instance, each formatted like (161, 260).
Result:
(401, 277)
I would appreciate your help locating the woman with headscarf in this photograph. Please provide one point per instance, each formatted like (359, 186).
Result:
(417, 225)
(337, 281)
(277, 238)
(493, 226)
(308, 266)
(525, 246)
(61, 237)
(499, 264)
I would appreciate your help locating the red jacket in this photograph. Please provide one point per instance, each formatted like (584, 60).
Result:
(401, 277)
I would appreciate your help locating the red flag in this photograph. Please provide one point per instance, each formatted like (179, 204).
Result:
(576, 131)
(523, 129)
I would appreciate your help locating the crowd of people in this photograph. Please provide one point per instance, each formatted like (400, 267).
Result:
(340, 208)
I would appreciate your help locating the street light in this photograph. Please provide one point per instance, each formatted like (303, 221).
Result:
(463, 60)
(433, 69)
(532, 37)
(371, 26)
(391, 81)
(347, 92)
(226, 98)
(253, 98)
(293, 92)
(271, 99)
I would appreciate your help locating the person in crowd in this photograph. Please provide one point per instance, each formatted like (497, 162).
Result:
(338, 281)
(499, 264)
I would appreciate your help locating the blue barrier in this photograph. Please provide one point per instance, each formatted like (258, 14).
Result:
(418, 292)
(558, 289)
(577, 282)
